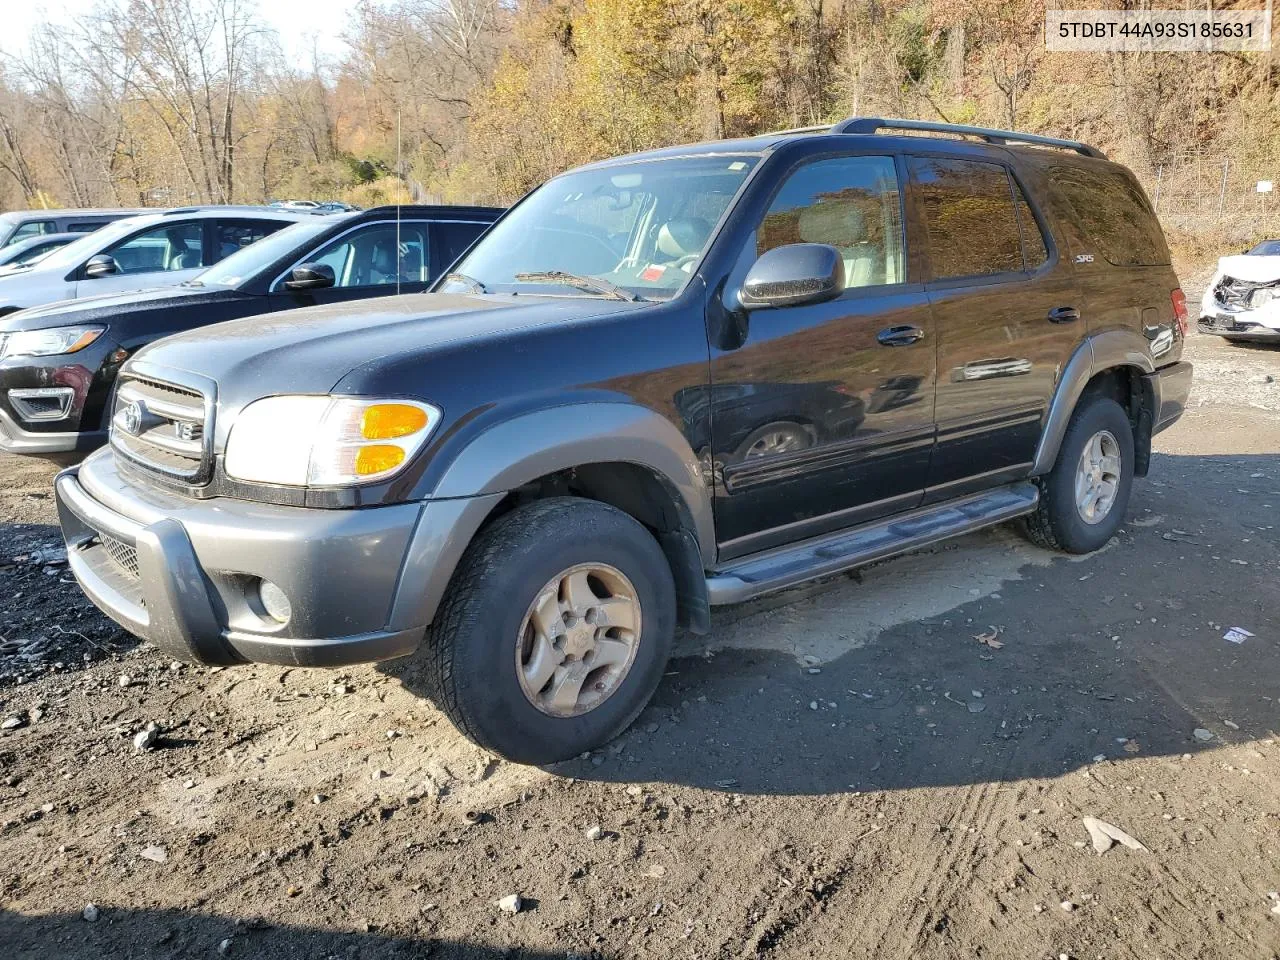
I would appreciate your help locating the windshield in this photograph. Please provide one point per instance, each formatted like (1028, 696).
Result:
(244, 263)
(1267, 248)
(640, 226)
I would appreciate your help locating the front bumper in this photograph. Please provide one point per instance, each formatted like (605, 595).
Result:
(1238, 326)
(14, 439)
(183, 573)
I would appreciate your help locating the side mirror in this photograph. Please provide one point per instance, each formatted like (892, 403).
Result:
(311, 276)
(101, 265)
(793, 275)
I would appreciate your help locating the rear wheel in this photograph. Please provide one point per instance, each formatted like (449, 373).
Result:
(1084, 497)
(554, 632)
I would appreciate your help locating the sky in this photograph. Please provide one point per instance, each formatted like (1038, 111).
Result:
(323, 20)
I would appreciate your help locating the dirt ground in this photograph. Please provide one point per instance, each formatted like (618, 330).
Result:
(841, 771)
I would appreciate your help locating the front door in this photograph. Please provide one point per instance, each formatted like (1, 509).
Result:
(160, 256)
(1007, 317)
(374, 259)
(822, 417)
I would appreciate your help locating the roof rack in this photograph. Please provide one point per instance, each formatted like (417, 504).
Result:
(874, 124)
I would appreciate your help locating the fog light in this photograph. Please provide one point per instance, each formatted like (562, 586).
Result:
(274, 601)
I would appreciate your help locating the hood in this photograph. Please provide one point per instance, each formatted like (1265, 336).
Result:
(1251, 268)
(310, 350)
(102, 308)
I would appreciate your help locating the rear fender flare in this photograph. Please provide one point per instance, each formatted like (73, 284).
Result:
(1103, 351)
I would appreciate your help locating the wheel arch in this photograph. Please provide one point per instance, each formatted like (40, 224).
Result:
(1115, 363)
(622, 454)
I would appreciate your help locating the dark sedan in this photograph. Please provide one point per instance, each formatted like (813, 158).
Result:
(58, 362)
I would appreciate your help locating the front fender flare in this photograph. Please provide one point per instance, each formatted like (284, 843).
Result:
(524, 448)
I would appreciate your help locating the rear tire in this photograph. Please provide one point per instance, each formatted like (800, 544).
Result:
(554, 632)
(1084, 497)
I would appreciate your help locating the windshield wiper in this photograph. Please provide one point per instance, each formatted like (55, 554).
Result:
(475, 285)
(580, 282)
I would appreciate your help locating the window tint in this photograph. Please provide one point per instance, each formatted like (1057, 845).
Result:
(1115, 214)
(172, 246)
(970, 216)
(230, 235)
(371, 255)
(1034, 250)
(33, 228)
(851, 203)
(455, 238)
(84, 227)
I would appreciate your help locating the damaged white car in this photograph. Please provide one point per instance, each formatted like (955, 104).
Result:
(1242, 301)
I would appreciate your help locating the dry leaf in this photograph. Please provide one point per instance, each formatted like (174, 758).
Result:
(988, 638)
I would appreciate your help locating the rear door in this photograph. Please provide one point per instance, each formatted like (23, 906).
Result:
(823, 418)
(1006, 311)
(375, 259)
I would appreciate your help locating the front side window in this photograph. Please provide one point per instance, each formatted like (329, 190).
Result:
(641, 226)
(33, 228)
(970, 217)
(172, 246)
(850, 203)
(377, 255)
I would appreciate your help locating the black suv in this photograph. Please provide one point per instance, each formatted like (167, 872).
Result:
(659, 383)
(58, 363)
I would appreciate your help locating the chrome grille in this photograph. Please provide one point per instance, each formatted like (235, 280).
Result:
(161, 427)
(123, 555)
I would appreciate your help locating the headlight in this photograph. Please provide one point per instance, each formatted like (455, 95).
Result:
(44, 343)
(326, 441)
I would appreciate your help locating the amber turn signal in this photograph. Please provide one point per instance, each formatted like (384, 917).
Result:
(386, 421)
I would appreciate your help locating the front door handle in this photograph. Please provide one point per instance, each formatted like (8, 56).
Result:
(1064, 315)
(902, 336)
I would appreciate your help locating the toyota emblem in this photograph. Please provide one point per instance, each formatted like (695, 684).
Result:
(131, 416)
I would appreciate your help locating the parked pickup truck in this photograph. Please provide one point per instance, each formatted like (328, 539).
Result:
(659, 383)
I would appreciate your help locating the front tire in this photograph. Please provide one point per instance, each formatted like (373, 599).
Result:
(554, 632)
(1084, 497)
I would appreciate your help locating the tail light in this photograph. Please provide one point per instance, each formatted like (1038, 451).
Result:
(1180, 311)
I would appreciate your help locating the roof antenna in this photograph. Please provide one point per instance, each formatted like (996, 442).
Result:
(400, 176)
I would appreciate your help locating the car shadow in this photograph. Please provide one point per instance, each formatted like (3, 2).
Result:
(1109, 657)
(178, 934)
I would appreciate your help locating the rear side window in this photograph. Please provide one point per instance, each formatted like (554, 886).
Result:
(970, 216)
(455, 238)
(84, 227)
(230, 235)
(1114, 213)
(1033, 245)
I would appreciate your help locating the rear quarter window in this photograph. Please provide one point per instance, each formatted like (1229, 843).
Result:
(1114, 213)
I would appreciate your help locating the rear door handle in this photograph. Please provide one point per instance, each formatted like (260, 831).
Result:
(902, 336)
(1064, 315)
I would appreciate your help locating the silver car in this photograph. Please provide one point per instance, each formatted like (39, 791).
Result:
(154, 250)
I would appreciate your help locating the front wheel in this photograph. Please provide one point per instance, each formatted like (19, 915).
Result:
(1084, 497)
(554, 632)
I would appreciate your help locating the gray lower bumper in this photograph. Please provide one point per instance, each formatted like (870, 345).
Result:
(184, 573)
(13, 439)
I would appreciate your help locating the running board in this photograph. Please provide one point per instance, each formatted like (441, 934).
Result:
(833, 553)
